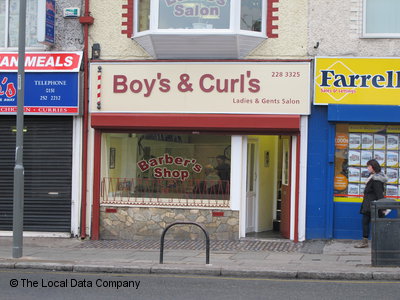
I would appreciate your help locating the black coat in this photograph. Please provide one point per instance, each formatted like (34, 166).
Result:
(374, 190)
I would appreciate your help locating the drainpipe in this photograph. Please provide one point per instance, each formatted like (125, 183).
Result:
(85, 20)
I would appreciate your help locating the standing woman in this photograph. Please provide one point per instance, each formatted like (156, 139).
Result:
(374, 189)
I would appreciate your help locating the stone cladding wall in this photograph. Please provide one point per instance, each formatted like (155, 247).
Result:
(149, 222)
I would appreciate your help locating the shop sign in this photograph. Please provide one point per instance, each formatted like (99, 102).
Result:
(207, 87)
(194, 14)
(42, 61)
(46, 92)
(46, 21)
(367, 81)
(170, 167)
(190, 8)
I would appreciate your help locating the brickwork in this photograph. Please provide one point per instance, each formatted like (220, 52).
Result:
(272, 18)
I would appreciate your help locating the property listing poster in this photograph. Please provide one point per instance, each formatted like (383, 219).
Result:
(355, 145)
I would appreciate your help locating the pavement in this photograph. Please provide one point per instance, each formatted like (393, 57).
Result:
(271, 258)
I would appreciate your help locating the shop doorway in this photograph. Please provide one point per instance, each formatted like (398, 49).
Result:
(268, 189)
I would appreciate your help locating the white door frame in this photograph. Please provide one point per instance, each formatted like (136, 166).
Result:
(254, 222)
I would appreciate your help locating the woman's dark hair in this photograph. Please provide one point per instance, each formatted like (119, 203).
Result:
(374, 164)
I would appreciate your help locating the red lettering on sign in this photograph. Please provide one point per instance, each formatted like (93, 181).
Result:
(143, 165)
(167, 159)
(120, 84)
(10, 90)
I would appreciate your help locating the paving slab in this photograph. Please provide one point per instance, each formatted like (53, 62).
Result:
(250, 256)
(319, 257)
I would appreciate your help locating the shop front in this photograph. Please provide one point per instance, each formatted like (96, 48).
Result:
(51, 138)
(218, 143)
(354, 119)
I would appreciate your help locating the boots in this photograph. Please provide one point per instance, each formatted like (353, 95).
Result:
(362, 244)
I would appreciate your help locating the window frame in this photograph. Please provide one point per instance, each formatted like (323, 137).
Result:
(374, 35)
(5, 38)
(234, 22)
(6, 13)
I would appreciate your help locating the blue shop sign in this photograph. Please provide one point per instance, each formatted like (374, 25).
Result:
(45, 93)
(50, 18)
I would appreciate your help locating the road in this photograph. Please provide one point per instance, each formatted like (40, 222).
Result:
(35, 284)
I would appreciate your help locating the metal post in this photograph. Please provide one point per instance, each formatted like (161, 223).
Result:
(18, 212)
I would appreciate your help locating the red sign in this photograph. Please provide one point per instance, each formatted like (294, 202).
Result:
(42, 61)
(217, 213)
(41, 110)
(169, 160)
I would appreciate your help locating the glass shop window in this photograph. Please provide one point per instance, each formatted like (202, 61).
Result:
(201, 14)
(9, 14)
(144, 15)
(355, 144)
(195, 14)
(381, 18)
(165, 167)
(250, 15)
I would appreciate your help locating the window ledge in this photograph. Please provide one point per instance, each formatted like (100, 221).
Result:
(28, 49)
(380, 36)
(168, 203)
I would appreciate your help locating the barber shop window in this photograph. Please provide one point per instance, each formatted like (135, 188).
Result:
(165, 169)
(381, 19)
(200, 14)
